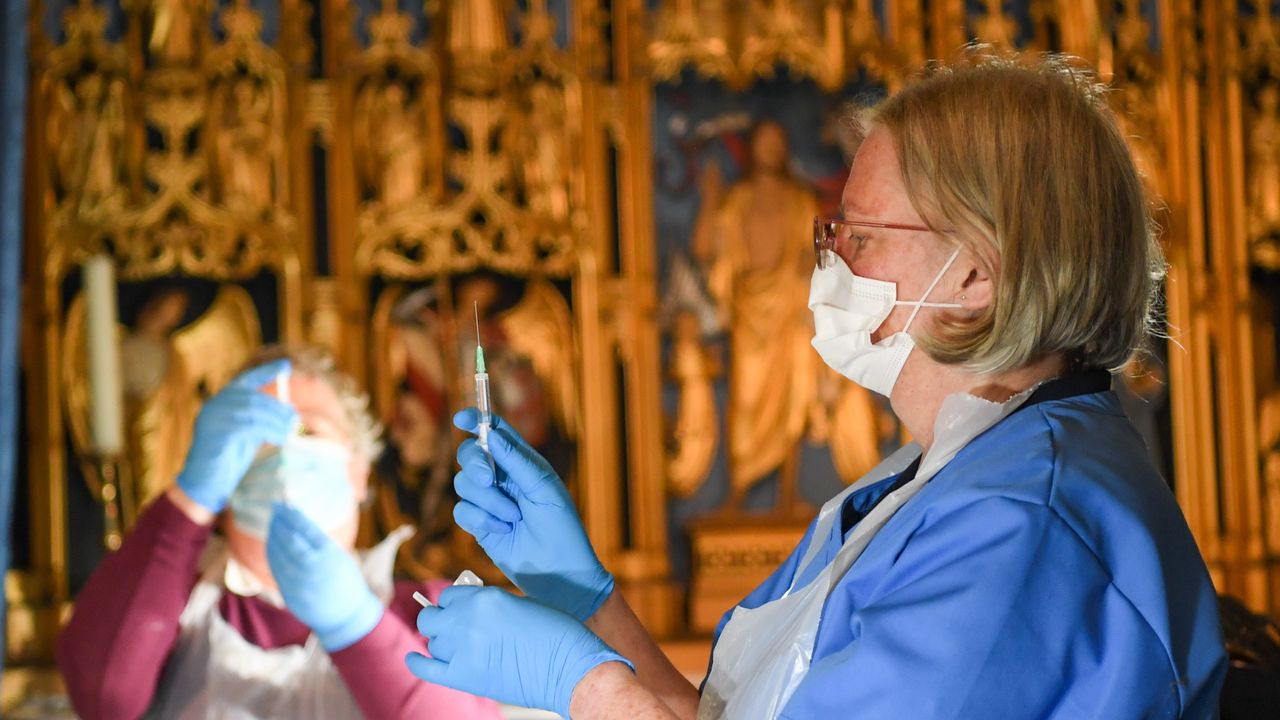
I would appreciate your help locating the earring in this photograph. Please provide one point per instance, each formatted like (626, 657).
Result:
(962, 297)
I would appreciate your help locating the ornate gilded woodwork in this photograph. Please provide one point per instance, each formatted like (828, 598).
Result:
(518, 110)
(482, 150)
(217, 209)
(692, 33)
(164, 368)
(167, 150)
(730, 562)
(477, 139)
(828, 41)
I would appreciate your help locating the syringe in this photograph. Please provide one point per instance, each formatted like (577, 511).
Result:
(483, 403)
(282, 394)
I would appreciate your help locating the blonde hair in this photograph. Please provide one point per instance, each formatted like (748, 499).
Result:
(364, 430)
(1024, 163)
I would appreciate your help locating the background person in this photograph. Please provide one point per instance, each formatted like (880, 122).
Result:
(282, 619)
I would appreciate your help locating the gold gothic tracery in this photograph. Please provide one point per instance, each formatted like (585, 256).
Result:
(517, 197)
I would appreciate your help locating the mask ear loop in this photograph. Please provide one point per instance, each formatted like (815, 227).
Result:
(921, 302)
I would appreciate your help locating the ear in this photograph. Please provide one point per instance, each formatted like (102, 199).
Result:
(975, 291)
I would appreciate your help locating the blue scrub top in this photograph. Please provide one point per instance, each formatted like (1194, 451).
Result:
(1045, 572)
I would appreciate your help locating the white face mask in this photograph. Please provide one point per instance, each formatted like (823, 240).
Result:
(309, 473)
(847, 308)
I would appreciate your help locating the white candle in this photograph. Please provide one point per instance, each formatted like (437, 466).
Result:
(106, 391)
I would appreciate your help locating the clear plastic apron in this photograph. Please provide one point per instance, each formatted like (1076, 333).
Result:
(763, 653)
(215, 673)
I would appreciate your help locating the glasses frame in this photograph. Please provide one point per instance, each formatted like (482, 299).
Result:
(824, 234)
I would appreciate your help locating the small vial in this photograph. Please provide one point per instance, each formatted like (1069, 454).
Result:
(468, 579)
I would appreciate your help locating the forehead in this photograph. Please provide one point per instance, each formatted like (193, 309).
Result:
(314, 398)
(875, 189)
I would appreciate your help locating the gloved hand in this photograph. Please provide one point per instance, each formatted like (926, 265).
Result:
(230, 428)
(526, 523)
(488, 642)
(321, 583)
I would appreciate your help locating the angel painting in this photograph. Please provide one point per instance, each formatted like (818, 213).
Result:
(412, 477)
(428, 366)
(169, 367)
(529, 352)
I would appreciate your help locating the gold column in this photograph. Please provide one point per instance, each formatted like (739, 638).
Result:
(598, 453)
(295, 47)
(645, 567)
(949, 25)
(353, 307)
(41, 319)
(1191, 384)
(1244, 565)
(905, 22)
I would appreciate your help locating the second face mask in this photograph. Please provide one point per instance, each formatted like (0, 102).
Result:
(307, 472)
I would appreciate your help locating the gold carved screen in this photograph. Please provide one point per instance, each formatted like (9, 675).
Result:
(391, 179)
(366, 177)
(471, 199)
(157, 140)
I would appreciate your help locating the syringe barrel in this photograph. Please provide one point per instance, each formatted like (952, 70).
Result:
(482, 396)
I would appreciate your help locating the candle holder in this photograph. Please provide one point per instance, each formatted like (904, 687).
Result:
(111, 493)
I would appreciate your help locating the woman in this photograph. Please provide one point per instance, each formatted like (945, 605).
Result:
(283, 619)
(1019, 559)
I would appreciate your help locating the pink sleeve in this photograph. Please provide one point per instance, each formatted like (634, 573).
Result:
(125, 620)
(382, 685)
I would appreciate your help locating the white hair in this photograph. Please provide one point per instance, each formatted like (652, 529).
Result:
(365, 431)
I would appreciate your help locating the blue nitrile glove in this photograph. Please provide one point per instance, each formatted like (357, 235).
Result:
(320, 582)
(486, 641)
(527, 524)
(230, 428)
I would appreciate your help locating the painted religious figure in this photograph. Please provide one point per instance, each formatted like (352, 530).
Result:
(431, 355)
(752, 242)
(415, 472)
(170, 362)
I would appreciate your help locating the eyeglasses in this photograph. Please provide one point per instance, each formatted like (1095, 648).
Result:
(828, 231)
